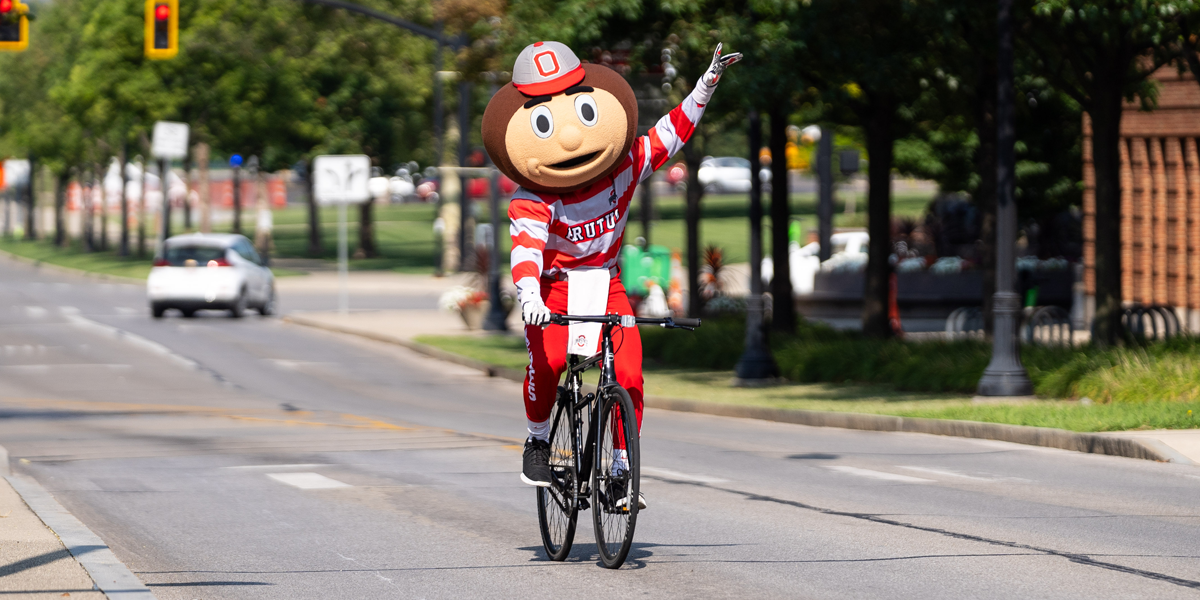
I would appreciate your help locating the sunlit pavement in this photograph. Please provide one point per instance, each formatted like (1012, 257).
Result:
(250, 458)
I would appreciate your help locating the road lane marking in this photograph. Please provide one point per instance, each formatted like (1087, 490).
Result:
(880, 475)
(68, 310)
(308, 481)
(948, 473)
(267, 467)
(131, 338)
(51, 367)
(126, 311)
(35, 312)
(669, 474)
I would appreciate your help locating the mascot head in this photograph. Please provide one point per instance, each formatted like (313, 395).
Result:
(560, 125)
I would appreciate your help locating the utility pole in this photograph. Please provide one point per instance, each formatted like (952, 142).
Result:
(164, 175)
(497, 317)
(756, 364)
(1005, 375)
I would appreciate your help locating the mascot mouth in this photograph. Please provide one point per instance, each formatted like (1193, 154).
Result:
(575, 162)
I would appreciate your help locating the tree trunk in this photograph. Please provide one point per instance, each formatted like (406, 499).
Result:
(647, 209)
(102, 173)
(314, 216)
(783, 315)
(60, 208)
(878, 128)
(985, 194)
(123, 247)
(366, 230)
(1106, 160)
(30, 223)
(692, 218)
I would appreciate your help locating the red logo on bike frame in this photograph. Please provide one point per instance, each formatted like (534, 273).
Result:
(546, 68)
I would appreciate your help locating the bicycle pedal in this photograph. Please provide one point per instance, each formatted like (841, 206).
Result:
(584, 504)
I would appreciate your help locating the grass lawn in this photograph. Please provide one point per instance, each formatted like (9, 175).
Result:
(107, 263)
(716, 386)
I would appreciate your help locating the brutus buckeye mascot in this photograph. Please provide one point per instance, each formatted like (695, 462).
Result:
(565, 132)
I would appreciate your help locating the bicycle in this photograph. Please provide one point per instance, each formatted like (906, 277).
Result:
(584, 452)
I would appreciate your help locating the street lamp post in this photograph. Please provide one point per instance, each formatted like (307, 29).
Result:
(235, 161)
(497, 317)
(1005, 375)
(756, 364)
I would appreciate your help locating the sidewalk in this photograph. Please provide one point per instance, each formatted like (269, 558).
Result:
(34, 563)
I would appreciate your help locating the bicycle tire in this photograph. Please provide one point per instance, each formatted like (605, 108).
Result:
(557, 511)
(614, 525)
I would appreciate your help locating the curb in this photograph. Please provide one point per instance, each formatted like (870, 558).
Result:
(41, 264)
(108, 573)
(1062, 439)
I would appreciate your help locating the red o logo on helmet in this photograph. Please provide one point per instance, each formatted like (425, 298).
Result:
(546, 63)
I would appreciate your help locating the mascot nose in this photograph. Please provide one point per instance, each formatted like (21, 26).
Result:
(570, 138)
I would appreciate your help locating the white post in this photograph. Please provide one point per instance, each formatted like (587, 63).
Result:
(343, 267)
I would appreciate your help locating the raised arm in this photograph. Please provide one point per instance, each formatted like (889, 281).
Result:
(654, 149)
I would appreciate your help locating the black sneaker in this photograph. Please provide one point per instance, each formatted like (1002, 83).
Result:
(535, 468)
(618, 495)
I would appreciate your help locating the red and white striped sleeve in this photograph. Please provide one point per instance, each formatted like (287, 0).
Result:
(530, 217)
(652, 150)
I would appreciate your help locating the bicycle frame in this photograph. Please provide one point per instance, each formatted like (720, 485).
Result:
(575, 401)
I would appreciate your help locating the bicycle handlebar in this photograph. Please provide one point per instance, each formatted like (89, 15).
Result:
(668, 322)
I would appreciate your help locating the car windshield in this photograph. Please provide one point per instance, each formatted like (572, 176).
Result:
(178, 256)
(731, 161)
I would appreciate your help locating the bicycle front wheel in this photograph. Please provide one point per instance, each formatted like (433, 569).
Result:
(557, 509)
(616, 479)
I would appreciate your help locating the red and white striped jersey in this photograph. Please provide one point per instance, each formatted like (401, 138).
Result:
(554, 233)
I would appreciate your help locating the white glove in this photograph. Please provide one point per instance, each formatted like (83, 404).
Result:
(708, 81)
(534, 312)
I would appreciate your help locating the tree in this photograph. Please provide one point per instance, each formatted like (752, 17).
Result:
(1101, 52)
(869, 71)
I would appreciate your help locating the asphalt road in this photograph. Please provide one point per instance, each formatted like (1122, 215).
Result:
(255, 459)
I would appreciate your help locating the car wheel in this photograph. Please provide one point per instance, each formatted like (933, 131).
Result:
(239, 306)
(188, 313)
(268, 306)
(712, 188)
(157, 310)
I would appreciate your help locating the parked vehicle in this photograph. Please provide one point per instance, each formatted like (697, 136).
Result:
(210, 271)
(725, 174)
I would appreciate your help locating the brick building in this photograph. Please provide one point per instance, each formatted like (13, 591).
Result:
(1160, 201)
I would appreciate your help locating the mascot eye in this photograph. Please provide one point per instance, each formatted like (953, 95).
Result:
(585, 107)
(543, 122)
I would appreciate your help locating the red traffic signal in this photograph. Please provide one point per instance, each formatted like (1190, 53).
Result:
(14, 26)
(162, 29)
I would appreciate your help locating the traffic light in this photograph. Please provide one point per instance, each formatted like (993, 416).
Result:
(14, 26)
(162, 29)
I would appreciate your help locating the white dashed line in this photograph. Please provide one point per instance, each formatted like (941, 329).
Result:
(35, 312)
(269, 467)
(946, 473)
(676, 475)
(308, 481)
(880, 475)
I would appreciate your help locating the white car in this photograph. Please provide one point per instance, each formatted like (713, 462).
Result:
(725, 174)
(210, 271)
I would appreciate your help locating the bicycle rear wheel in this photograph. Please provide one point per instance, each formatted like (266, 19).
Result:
(615, 490)
(557, 510)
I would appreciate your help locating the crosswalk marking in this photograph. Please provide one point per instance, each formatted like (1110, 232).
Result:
(880, 475)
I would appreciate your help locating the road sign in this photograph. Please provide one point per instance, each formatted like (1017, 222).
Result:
(342, 179)
(16, 173)
(170, 140)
